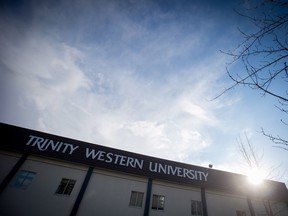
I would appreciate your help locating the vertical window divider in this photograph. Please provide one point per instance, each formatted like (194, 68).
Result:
(12, 172)
(82, 191)
(148, 197)
(204, 203)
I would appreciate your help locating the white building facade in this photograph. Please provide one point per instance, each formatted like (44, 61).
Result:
(45, 174)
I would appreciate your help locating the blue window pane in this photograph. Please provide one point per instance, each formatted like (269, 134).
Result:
(23, 179)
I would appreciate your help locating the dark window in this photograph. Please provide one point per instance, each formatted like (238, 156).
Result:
(196, 208)
(66, 186)
(158, 202)
(23, 179)
(136, 199)
(240, 213)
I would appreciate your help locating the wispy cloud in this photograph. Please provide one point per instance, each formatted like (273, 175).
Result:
(106, 101)
(131, 75)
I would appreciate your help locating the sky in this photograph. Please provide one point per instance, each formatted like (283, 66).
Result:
(136, 75)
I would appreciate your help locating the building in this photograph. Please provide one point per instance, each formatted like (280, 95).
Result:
(44, 174)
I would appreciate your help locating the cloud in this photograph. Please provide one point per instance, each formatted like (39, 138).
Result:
(135, 85)
(40, 73)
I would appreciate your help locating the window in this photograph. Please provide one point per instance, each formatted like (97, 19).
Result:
(158, 202)
(196, 208)
(23, 179)
(66, 186)
(240, 213)
(136, 199)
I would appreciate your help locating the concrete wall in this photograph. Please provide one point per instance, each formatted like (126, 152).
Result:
(278, 209)
(109, 194)
(7, 161)
(225, 204)
(40, 198)
(177, 199)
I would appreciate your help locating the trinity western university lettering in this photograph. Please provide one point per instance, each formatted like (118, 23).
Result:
(114, 158)
(178, 171)
(44, 144)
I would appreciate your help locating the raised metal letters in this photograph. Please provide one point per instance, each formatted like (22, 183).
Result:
(44, 144)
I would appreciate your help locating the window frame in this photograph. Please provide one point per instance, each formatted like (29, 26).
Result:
(240, 213)
(139, 196)
(160, 205)
(23, 179)
(196, 208)
(64, 188)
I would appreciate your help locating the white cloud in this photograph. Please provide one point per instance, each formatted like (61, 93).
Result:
(115, 107)
(138, 86)
(193, 109)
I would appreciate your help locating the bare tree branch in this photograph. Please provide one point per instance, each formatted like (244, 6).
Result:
(263, 56)
(254, 159)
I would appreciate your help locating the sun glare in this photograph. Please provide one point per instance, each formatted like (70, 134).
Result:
(256, 176)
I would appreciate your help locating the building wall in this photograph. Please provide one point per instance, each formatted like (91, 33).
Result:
(7, 161)
(225, 204)
(177, 199)
(261, 207)
(40, 198)
(108, 193)
(279, 208)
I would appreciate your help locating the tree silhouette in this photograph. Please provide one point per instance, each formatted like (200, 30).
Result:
(254, 160)
(262, 57)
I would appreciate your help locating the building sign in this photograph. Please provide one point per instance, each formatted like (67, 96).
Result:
(48, 145)
(96, 153)
(33, 142)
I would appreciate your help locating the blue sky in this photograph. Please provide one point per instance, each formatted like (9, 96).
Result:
(134, 75)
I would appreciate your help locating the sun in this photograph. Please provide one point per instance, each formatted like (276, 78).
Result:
(256, 176)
